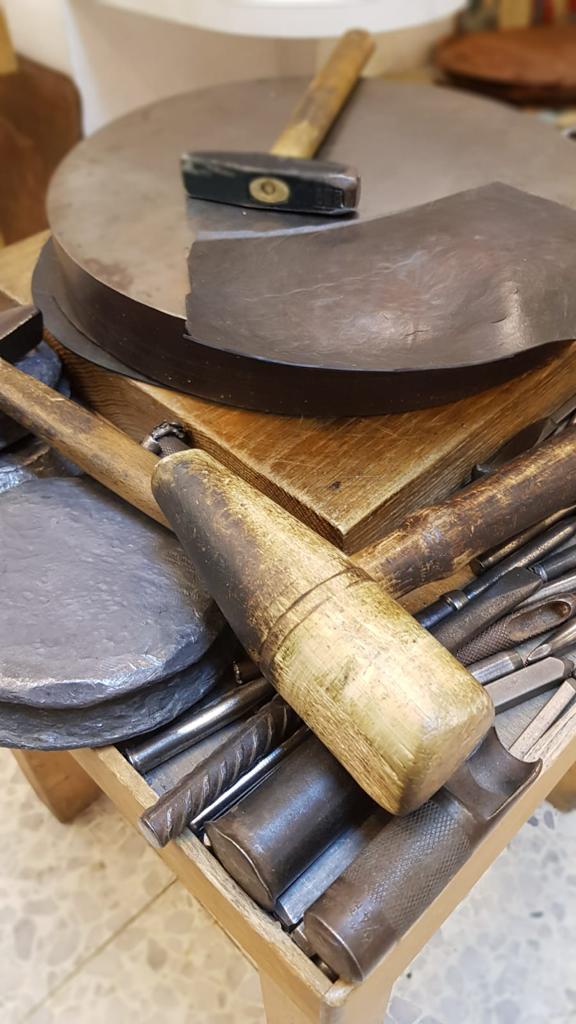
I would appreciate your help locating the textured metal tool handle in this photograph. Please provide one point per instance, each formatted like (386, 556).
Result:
(513, 629)
(404, 868)
(325, 97)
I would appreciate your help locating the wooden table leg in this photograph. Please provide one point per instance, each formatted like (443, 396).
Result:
(563, 796)
(367, 1003)
(58, 780)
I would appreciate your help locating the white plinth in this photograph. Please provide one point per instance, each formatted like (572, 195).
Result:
(294, 18)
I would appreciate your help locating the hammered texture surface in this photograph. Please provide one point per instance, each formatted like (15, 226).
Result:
(96, 599)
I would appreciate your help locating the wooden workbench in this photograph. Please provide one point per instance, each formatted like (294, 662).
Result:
(351, 480)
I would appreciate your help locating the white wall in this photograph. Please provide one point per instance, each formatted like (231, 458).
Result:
(38, 29)
(121, 59)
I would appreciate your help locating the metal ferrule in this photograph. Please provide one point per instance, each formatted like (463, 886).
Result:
(434, 613)
(504, 594)
(196, 724)
(557, 564)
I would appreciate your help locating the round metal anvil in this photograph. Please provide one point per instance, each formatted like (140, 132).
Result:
(403, 306)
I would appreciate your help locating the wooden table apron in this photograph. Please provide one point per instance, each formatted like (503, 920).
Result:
(352, 480)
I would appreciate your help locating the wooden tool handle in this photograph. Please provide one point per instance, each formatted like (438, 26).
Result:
(437, 541)
(393, 706)
(99, 448)
(325, 97)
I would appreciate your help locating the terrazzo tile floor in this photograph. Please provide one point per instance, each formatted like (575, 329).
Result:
(94, 930)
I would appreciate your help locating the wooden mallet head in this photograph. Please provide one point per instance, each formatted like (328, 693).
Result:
(396, 709)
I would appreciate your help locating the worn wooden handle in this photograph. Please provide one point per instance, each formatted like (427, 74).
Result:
(93, 443)
(437, 541)
(393, 706)
(325, 97)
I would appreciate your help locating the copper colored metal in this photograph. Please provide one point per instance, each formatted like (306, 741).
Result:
(170, 815)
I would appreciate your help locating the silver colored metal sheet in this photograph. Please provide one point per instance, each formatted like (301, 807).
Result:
(97, 601)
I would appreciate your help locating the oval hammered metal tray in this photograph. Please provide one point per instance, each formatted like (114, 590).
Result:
(103, 631)
(113, 282)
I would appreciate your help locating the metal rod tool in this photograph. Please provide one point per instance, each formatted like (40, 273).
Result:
(267, 729)
(521, 624)
(149, 751)
(530, 681)
(243, 786)
(299, 811)
(398, 875)
(505, 593)
(531, 553)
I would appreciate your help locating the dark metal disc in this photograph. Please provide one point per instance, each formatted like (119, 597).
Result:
(119, 719)
(97, 601)
(123, 228)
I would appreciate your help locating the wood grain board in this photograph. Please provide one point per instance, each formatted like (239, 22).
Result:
(352, 480)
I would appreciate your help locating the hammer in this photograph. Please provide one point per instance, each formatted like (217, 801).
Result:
(286, 178)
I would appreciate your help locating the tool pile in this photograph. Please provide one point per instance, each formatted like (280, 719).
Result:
(300, 836)
(336, 753)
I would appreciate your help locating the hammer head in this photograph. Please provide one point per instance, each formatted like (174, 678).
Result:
(271, 182)
(20, 331)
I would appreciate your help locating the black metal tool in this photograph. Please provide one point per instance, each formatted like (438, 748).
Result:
(20, 331)
(522, 624)
(259, 841)
(503, 595)
(530, 681)
(409, 862)
(286, 178)
(532, 552)
(149, 751)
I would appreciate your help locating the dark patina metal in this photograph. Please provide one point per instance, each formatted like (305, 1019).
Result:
(108, 292)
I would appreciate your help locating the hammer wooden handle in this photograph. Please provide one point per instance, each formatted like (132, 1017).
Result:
(93, 443)
(437, 541)
(325, 97)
